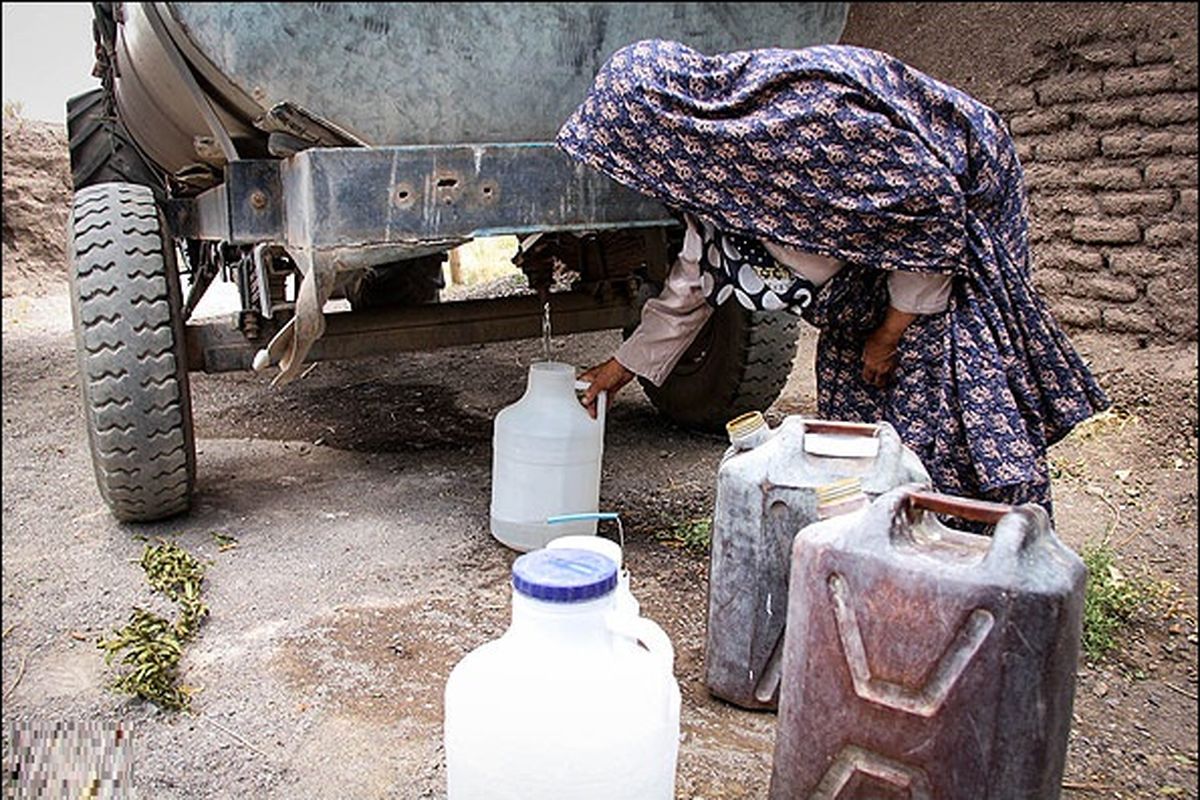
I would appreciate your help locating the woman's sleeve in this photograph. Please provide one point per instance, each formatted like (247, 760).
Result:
(918, 292)
(670, 321)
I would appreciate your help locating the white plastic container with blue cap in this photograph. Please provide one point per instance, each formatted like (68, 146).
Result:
(576, 701)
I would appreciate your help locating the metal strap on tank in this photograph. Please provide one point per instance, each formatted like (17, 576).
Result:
(189, 80)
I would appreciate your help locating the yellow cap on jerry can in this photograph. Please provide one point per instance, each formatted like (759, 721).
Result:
(840, 497)
(747, 430)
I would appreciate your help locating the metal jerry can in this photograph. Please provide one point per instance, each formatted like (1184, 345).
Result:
(924, 662)
(766, 492)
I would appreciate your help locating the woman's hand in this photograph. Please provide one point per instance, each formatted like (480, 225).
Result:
(879, 357)
(607, 377)
(879, 351)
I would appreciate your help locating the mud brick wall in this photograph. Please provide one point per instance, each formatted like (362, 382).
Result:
(1101, 100)
(1107, 133)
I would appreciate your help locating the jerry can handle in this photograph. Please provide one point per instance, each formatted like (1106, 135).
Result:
(648, 634)
(1019, 530)
(963, 507)
(837, 439)
(846, 428)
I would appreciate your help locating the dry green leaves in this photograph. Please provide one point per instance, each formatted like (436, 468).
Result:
(152, 645)
(1114, 600)
(691, 534)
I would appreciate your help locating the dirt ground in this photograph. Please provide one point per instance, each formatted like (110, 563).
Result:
(364, 569)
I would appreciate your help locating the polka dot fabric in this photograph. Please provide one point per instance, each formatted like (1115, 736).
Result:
(739, 267)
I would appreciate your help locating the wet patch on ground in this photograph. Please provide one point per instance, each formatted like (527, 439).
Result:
(370, 416)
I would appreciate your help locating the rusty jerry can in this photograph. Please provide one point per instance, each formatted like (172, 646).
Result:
(923, 662)
(766, 492)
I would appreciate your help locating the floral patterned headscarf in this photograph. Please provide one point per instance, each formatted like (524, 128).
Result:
(851, 154)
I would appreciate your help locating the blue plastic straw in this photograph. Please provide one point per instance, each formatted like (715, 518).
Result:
(597, 515)
(605, 515)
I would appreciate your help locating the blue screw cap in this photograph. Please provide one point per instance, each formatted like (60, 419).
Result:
(564, 576)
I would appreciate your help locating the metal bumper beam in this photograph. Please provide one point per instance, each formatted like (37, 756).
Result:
(364, 202)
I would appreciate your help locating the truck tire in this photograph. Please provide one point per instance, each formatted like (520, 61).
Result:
(126, 307)
(739, 362)
(101, 150)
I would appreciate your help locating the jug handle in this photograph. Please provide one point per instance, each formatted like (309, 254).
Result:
(601, 401)
(648, 634)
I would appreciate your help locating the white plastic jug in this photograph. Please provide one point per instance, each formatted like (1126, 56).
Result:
(576, 701)
(546, 454)
(626, 602)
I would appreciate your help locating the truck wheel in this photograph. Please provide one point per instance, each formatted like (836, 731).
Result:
(126, 306)
(101, 150)
(739, 362)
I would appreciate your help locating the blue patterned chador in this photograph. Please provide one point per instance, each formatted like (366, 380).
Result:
(848, 153)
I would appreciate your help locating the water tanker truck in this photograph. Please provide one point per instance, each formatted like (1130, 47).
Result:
(309, 152)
